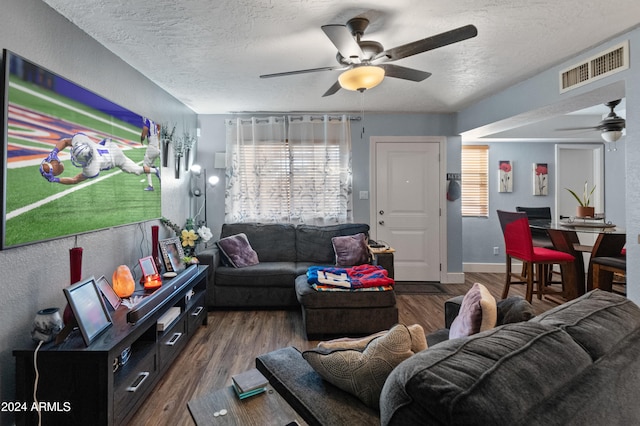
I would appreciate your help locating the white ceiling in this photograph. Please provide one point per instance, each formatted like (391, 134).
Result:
(209, 54)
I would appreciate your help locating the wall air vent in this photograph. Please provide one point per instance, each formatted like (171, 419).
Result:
(604, 64)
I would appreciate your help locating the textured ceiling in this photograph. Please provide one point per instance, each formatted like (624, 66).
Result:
(209, 54)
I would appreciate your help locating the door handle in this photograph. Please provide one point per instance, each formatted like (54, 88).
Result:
(381, 212)
(381, 222)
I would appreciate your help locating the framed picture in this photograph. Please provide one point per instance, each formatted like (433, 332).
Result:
(540, 179)
(505, 169)
(148, 266)
(107, 291)
(89, 309)
(40, 109)
(172, 254)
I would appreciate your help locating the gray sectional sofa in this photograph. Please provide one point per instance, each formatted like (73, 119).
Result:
(285, 251)
(577, 364)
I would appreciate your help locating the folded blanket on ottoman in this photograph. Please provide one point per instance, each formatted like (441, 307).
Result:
(353, 278)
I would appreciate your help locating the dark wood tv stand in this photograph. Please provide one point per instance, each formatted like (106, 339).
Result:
(90, 385)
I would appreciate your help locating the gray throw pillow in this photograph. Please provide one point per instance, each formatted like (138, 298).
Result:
(238, 251)
(351, 250)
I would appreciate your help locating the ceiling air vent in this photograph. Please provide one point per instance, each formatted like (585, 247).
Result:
(606, 63)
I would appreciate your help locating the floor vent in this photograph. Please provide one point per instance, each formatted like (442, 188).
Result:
(606, 63)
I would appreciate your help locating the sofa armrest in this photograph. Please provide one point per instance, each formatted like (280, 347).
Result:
(451, 310)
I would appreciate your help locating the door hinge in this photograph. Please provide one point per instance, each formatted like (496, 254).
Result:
(441, 267)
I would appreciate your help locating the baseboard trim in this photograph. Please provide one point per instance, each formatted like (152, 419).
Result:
(491, 268)
(452, 278)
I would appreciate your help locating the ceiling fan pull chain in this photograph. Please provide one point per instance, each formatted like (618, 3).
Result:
(362, 112)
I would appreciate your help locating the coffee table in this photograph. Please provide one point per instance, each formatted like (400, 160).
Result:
(265, 408)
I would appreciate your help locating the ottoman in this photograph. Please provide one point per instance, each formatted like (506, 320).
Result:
(345, 313)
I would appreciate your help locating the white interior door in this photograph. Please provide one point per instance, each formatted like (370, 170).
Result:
(407, 209)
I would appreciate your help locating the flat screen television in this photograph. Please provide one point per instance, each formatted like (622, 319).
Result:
(39, 108)
(89, 309)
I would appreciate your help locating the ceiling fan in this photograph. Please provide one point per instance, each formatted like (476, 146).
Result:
(610, 127)
(365, 62)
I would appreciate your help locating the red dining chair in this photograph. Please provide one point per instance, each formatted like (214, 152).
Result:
(519, 245)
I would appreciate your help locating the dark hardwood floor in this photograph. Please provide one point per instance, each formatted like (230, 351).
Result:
(233, 339)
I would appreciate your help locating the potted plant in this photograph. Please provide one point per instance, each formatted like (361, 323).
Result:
(584, 209)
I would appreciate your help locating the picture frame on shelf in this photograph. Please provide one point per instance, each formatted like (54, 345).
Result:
(89, 309)
(107, 291)
(172, 254)
(148, 267)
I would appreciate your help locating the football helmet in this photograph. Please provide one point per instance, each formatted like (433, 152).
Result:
(81, 154)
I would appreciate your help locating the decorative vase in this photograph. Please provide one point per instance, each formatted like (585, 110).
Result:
(177, 167)
(187, 151)
(46, 325)
(165, 152)
(154, 246)
(582, 211)
(75, 272)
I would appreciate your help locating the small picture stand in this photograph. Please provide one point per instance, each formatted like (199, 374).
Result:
(150, 277)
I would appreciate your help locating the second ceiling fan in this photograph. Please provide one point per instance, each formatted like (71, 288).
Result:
(366, 62)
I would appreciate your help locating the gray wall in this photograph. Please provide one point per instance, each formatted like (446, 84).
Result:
(32, 277)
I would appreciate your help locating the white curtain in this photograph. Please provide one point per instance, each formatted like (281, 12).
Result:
(293, 169)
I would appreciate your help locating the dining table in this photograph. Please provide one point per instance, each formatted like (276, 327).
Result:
(564, 235)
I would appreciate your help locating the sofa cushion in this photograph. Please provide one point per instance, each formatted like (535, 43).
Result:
(598, 320)
(351, 250)
(313, 243)
(495, 377)
(363, 373)
(269, 274)
(478, 312)
(273, 242)
(514, 309)
(237, 251)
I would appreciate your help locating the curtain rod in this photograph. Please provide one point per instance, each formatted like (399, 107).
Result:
(299, 116)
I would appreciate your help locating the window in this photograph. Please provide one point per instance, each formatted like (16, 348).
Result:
(475, 180)
(286, 169)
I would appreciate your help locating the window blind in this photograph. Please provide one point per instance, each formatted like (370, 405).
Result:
(475, 180)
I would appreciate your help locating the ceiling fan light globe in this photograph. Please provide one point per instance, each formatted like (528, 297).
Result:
(361, 78)
(611, 135)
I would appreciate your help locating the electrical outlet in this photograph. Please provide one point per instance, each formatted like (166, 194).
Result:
(496, 250)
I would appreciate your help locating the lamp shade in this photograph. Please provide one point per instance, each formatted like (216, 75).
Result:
(361, 78)
(611, 135)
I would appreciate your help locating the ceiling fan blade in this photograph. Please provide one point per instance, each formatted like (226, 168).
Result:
(341, 37)
(281, 74)
(430, 43)
(578, 128)
(333, 89)
(404, 73)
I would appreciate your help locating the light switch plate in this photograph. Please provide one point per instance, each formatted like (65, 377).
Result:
(364, 195)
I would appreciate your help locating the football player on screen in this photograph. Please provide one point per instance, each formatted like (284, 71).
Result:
(92, 158)
(150, 131)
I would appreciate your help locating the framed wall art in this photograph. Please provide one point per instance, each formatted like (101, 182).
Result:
(41, 200)
(172, 254)
(505, 172)
(540, 179)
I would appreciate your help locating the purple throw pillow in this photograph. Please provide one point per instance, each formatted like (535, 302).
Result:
(238, 251)
(478, 312)
(351, 250)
